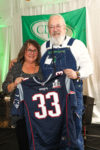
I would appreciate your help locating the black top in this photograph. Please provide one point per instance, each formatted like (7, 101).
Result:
(15, 72)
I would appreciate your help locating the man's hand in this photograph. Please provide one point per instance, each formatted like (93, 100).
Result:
(12, 63)
(70, 73)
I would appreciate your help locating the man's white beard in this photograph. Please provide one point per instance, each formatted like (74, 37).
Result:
(57, 40)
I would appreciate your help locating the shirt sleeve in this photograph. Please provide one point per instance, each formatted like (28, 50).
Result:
(9, 79)
(11, 76)
(83, 60)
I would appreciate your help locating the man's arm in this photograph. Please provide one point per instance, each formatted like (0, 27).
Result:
(12, 63)
(83, 60)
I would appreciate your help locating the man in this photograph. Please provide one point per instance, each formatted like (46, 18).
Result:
(62, 52)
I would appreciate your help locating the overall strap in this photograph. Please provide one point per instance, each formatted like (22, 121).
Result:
(70, 42)
(48, 44)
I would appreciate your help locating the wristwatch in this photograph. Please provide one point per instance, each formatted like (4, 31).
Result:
(78, 74)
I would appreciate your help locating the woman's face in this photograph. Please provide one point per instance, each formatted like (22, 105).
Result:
(31, 53)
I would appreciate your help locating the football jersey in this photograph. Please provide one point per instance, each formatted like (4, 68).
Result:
(48, 107)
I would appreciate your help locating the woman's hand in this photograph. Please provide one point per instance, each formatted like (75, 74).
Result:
(18, 80)
(13, 85)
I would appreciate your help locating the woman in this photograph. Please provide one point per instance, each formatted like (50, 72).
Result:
(27, 65)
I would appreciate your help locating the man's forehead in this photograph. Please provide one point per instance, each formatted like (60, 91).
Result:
(56, 20)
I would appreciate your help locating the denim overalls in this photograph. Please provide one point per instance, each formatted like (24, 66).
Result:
(57, 59)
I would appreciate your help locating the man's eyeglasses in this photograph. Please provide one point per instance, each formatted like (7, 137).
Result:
(32, 51)
(57, 26)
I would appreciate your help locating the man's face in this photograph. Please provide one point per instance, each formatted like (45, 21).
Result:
(56, 27)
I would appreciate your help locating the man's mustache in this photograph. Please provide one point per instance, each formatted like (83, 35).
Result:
(56, 33)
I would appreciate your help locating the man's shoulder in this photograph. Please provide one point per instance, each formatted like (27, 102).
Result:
(74, 41)
(44, 47)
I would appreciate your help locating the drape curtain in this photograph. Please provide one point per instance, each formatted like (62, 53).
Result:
(4, 52)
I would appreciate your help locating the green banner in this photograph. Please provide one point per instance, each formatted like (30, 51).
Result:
(36, 27)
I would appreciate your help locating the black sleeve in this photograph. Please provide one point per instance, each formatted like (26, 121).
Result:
(11, 75)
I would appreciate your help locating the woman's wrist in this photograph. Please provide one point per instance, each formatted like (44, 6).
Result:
(14, 85)
(11, 87)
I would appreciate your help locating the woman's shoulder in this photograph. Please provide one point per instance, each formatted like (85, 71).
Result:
(16, 67)
(17, 64)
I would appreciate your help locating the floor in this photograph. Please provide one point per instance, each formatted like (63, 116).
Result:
(8, 139)
(92, 141)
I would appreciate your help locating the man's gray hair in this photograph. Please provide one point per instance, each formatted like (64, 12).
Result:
(58, 16)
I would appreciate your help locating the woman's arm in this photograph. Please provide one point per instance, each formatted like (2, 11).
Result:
(9, 80)
(11, 87)
(12, 79)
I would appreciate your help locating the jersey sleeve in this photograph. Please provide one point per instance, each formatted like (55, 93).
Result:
(18, 105)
